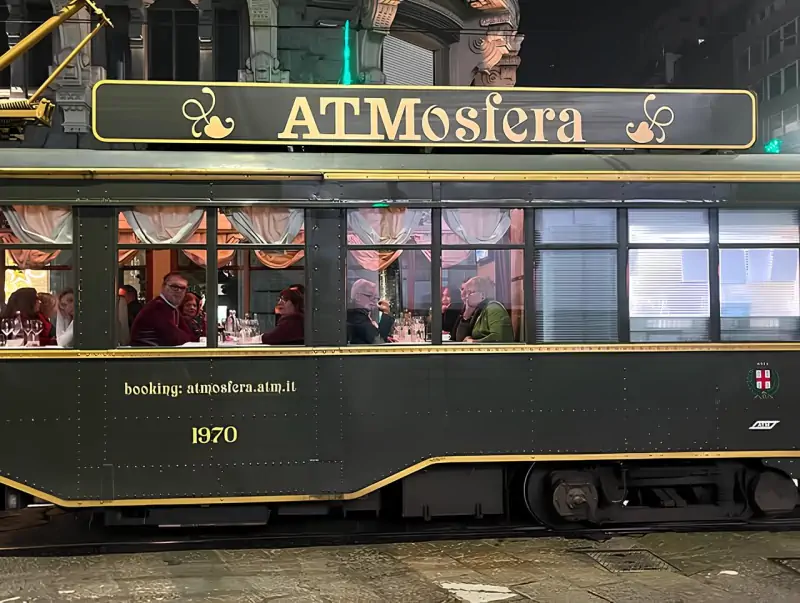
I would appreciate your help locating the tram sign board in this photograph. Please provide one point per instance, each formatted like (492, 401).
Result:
(304, 114)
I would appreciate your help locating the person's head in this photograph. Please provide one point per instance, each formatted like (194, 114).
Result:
(49, 304)
(25, 301)
(174, 287)
(447, 299)
(191, 305)
(291, 300)
(129, 293)
(66, 303)
(477, 289)
(364, 294)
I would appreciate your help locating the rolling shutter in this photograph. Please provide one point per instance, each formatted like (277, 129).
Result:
(405, 64)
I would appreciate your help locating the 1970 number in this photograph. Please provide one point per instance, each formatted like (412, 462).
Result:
(214, 435)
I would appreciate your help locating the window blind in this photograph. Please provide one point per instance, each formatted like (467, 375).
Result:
(405, 64)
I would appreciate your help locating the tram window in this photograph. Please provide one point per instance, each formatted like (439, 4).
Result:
(261, 296)
(669, 295)
(388, 289)
(759, 226)
(482, 288)
(37, 273)
(564, 226)
(666, 226)
(576, 296)
(161, 276)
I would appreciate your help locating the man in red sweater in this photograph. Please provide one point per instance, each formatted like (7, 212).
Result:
(160, 323)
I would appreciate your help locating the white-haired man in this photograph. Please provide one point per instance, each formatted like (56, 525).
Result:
(362, 328)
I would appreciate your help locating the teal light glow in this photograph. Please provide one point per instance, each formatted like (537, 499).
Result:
(347, 77)
(773, 147)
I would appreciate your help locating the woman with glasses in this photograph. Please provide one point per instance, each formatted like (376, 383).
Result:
(290, 327)
(362, 328)
(484, 320)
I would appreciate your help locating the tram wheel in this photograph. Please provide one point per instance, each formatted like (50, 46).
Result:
(557, 503)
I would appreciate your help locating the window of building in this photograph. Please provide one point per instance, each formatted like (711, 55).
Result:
(118, 46)
(36, 262)
(744, 61)
(790, 77)
(776, 124)
(789, 34)
(776, 84)
(759, 292)
(773, 44)
(227, 45)
(483, 275)
(668, 269)
(576, 275)
(173, 41)
(790, 119)
(757, 53)
(388, 275)
(405, 64)
(38, 59)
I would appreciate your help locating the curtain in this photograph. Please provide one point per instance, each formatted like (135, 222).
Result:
(371, 260)
(224, 256)
(164, 224)
(267, 225)
(384, 226)
(393, 226)
(33, 224)
(28, 259)
(450, 257)
(279, 260)
(126, 255)
(484, 226)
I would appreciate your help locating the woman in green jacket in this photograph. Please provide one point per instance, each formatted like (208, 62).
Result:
(484, 320)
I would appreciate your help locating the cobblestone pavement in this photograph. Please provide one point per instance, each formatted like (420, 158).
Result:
(696, 568)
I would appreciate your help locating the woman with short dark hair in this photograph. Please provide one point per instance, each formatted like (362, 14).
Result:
(290, 329)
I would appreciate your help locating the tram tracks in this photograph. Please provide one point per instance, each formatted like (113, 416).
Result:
(72, 536)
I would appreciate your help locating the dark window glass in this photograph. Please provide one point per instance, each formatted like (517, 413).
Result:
(226, 45)
(775, 85)
(118, 49)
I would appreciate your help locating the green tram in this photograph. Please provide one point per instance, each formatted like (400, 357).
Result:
(197, 336)
(653, 300)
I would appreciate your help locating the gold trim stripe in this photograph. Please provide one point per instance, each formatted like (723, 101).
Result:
(440, 460)
(181, 174)
(388, 350)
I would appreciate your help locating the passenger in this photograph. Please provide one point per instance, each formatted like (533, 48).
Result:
(26, 302)
(278, 309)
(362, 328)
(49, 306)
(484, 320)
(131, 296)
(194, 315)
(291, 328)
(65, 318)
(160, 323)
(450, 311)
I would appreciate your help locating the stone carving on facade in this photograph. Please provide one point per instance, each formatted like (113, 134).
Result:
(498, 48)
(73, 87)
(376, 20)
(263, 65)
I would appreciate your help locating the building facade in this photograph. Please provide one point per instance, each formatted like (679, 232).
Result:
(766, 56)
(399, 42)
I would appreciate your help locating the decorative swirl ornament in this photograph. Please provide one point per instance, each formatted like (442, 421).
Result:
(643, 133)
(213, 127)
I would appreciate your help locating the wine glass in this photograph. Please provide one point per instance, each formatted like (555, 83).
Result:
(37, 329)
(27, 328)
(7, 326)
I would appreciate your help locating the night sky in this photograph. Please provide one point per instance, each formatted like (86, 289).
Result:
(582, 42)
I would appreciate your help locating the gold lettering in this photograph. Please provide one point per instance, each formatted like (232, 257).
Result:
(539, 115)
(427, 129)
(340, 105)
(214, 435)
(301, 116)
(403, 116)
(576, 121)
(490, 111)
(469, 123)
(508, 128)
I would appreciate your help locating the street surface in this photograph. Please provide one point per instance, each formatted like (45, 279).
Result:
(696, 568)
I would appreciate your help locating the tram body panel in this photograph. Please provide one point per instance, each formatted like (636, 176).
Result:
(343, 422)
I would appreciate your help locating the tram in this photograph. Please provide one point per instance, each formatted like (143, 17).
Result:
(653, 298)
